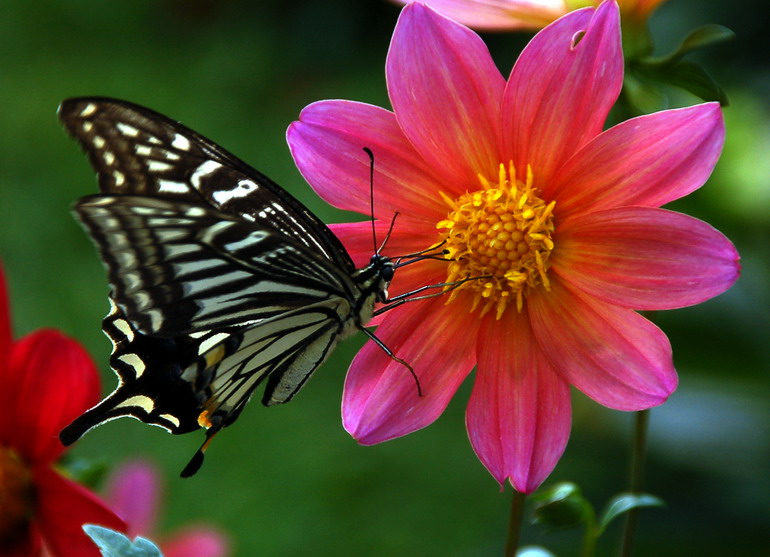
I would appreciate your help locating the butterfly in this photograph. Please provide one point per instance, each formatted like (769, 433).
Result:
(220, 280)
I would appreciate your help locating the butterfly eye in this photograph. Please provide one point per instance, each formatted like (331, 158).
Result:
(387, 272)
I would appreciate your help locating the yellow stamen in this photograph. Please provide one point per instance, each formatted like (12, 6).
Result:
(502, 232)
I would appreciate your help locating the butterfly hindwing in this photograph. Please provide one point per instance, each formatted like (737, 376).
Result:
(150, 387)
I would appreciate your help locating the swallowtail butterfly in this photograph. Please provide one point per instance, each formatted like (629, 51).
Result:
(219, 278)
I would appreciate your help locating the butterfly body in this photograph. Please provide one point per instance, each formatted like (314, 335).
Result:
(220, 280)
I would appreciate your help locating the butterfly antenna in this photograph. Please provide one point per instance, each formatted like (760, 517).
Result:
(371, 205)
(371, 195)
(390, 229)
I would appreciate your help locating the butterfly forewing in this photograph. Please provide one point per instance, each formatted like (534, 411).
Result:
(138, 151)
(219, 279)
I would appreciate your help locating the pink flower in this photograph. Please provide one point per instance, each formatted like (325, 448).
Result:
(46, 380)
(523, 185)
(498, 15)
(134, 491)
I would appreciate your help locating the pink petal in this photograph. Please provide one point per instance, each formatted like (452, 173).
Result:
(645, 258)
(197, 541)
(380, 401)
(355, 236)
(650, 160)
(134, 493)
(558, 95)
(63, 508)
(357, 239)
(519, 414)
(612, 354)
(408, 236)
(499, 14)
(327, 145)
(51, 380)
(446, 93)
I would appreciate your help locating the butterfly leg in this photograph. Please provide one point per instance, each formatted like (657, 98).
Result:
(395, 358)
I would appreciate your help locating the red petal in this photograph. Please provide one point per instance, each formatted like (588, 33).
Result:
(519, 415)
(28, 544)
(64, 507)
(51, 381)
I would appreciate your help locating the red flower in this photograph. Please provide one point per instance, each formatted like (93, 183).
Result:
(46, 380)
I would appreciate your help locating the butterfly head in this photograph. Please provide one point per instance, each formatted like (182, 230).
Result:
(383, 270)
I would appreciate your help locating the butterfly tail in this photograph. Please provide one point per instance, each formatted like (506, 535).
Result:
(124, 402)
(103, 412)
(197, 460)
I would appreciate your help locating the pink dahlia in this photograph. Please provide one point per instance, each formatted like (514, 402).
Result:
(497, 15)
(134, 491)
(524, 188)
(46, 381)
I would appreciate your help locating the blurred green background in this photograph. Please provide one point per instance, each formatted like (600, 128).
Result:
(289, 480)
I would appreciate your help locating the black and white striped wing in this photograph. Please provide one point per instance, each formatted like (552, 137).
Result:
(137, 151)
(177, 268)
(204, 308)
(205, 379)
(219, 279)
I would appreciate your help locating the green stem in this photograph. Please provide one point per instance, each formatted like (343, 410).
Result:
(591, 535)
(514, 523)
(636, 478)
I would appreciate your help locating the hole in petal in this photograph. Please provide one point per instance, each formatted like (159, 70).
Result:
(576, 38)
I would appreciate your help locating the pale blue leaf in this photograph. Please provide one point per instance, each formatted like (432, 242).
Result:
(115, 544)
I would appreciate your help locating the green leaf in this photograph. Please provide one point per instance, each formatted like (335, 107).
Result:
(562, 506)
(88, 472)
(672, 70)
(643, 97)
(701, 37)
(688, 76)
(623, 503)
(115, 544)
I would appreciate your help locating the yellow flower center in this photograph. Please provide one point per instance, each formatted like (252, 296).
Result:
(17, 498)
(502, 233)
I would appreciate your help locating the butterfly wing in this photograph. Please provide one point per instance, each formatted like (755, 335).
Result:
(138, 151)
(220, 279)
(177, 268)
